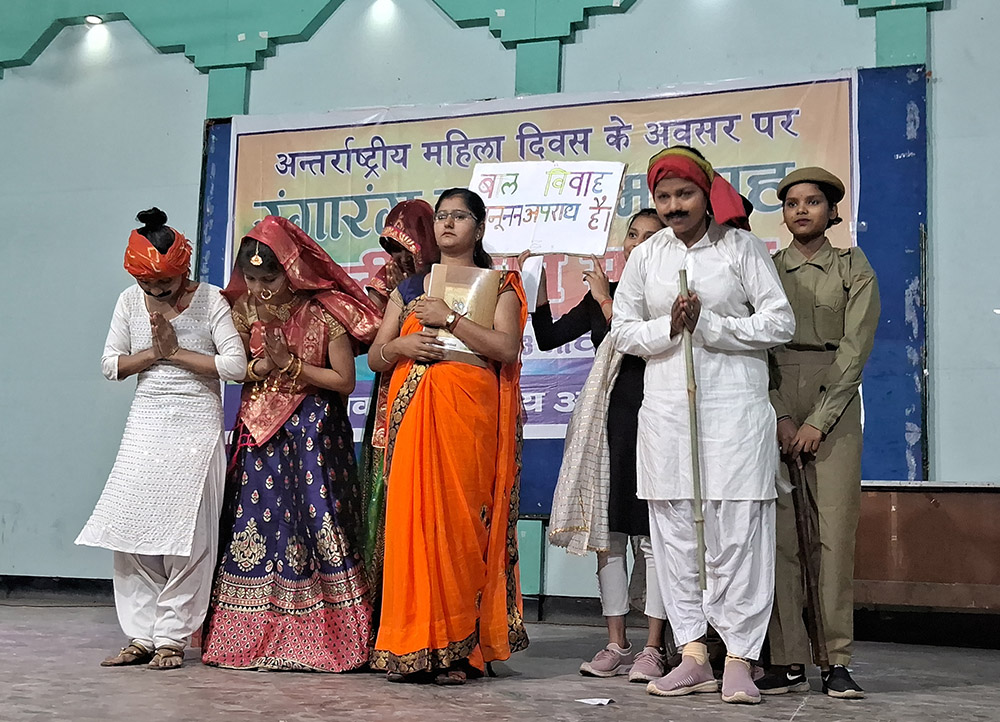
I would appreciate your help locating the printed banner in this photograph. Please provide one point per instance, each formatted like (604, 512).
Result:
(337, 175)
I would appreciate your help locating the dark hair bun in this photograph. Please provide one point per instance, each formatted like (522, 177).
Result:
(152, 219)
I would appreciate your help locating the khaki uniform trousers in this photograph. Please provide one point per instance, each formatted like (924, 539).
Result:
(833, 479)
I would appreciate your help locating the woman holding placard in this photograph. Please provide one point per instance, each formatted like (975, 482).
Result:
(609, 408)
(451, 600)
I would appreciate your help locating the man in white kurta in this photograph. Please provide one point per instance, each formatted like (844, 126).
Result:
(159, 511)
(743, 312)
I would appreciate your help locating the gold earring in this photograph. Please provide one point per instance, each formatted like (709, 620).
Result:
(255, 259)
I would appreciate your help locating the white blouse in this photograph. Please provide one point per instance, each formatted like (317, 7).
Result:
(744, 312)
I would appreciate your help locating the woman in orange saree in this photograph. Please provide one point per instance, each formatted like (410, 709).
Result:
(451, 597)
(408, 238)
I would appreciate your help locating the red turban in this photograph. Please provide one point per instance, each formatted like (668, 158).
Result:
(145, 263)
(725, 203)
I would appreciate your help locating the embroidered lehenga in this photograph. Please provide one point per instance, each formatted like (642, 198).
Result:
(291, 591)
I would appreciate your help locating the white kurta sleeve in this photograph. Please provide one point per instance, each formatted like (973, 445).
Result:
(772, 322)
(230, 357)
(632, 332)
(119, 341)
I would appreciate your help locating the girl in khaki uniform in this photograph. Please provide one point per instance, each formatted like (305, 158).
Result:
(834, 294)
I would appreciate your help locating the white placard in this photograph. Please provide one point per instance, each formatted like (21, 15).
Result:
(531, 277)
(548, 207)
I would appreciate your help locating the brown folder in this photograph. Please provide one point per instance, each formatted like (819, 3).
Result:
(471, 292)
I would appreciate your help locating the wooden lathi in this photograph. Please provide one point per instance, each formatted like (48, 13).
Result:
(471, 292)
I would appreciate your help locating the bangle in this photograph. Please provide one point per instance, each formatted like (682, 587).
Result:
(291, 362)
(612, 313)
(381, 353)
(298, 369)
(251, 373)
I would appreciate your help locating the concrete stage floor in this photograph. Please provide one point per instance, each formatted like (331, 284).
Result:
(49, 671)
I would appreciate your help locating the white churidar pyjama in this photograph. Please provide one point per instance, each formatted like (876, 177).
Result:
(613, 578)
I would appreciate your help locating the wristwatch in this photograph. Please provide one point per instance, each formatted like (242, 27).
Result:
(450, 320)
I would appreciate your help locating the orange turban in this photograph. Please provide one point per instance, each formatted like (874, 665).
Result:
(145, 263)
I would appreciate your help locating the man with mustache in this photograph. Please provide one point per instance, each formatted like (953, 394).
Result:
(736, 311)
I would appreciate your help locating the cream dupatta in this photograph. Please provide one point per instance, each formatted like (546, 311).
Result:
(579, 519)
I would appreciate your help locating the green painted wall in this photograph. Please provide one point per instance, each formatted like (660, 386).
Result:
(237, 34)
(901, 29)
(227, 41)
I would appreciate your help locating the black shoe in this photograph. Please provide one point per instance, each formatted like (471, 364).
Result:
(782, 680)
(838, 683)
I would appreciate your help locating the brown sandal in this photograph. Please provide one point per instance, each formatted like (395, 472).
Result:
(450, 677)
(130, 655)
(420, 677)
(164, 653)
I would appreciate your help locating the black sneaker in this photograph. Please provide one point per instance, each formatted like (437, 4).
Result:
(838, 683)
(782, 680)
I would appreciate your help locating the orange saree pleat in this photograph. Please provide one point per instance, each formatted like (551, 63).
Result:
(450, 579)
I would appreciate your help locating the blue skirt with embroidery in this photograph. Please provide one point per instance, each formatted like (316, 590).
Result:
(290, 592)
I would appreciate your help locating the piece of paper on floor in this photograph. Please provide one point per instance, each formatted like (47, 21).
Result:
(531, 276)
(596, 700)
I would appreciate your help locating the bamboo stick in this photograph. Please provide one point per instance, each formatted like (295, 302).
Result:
(692, 388)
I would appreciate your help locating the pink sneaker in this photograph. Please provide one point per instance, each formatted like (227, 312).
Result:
(610, 661)
(649, 664)
(737, 684)
(687, 678)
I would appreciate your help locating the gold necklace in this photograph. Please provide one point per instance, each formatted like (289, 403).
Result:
(282, 311)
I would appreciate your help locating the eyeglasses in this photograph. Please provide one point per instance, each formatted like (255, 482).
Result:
(457, 216)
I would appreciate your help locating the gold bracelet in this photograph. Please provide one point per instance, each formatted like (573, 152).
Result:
(298, 370)
(251, 373)
(381, 353)
(291, 362)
